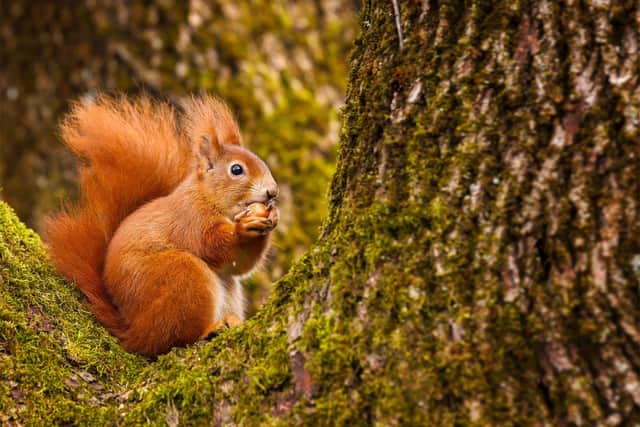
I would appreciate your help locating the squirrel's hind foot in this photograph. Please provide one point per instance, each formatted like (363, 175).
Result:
(226, 323)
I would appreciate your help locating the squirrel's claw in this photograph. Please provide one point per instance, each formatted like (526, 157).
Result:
(274, 215)
(241, 215)
(229, 321)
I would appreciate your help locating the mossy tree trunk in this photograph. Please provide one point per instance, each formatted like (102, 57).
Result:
(485, 219)
(481, 259)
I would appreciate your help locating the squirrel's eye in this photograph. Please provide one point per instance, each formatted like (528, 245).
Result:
(236, 169)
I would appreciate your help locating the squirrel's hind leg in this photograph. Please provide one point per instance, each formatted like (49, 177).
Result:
(232, 309)
(186, 302)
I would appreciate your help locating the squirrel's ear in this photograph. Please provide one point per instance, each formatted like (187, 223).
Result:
(206, 151)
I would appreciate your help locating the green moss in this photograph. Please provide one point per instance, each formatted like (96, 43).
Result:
(56, 363)
(59, 365)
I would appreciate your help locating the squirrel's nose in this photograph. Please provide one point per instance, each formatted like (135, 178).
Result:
(272, 192)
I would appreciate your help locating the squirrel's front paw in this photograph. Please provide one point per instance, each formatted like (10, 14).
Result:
(248, 225)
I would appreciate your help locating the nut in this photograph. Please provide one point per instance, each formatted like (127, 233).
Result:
(258, 209)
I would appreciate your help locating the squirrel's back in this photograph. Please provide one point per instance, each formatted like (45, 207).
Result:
(131, 154)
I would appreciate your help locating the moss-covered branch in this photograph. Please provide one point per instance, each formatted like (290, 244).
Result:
(56, 362)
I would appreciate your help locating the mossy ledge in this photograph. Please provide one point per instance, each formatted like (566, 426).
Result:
(480, 263)
(56, 363)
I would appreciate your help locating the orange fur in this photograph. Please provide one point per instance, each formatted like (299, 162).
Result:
(162, 230)
(207, 115)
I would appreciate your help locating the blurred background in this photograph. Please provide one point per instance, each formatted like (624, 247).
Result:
(281, 66)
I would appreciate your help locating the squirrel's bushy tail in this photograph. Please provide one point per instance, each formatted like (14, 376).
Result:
(131, 153)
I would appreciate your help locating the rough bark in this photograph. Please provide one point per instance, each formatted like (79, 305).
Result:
(481, 261)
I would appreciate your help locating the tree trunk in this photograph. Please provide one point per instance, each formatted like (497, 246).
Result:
(480, 264)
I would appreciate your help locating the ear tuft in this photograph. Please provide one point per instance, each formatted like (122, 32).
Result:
(208, 115)
(207, 151)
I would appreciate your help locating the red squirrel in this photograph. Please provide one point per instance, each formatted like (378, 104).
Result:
(173, 212)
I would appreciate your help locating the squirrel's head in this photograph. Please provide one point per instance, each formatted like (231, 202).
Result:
(229, 176)
(232, 177)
